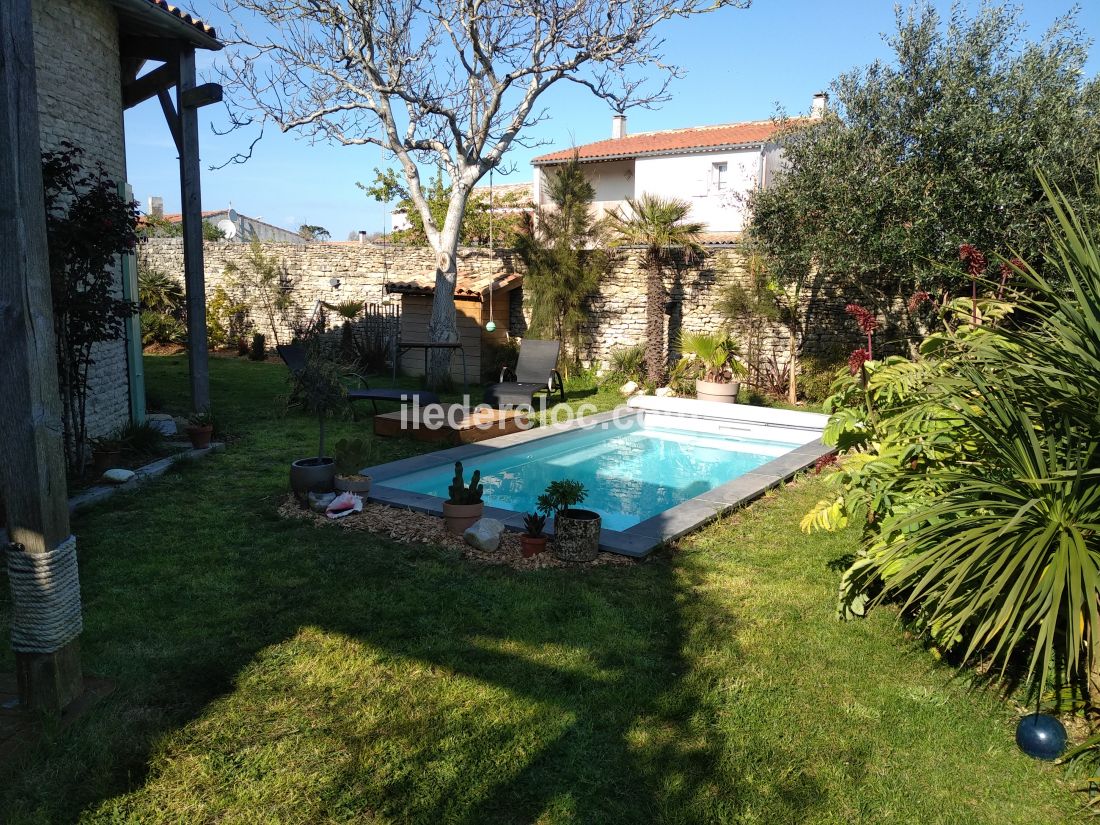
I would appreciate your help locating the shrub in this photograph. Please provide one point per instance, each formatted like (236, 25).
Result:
(258, 351)
(161, 328)
(628, 364)
(816, 374)
(974, 471)
(497, 355)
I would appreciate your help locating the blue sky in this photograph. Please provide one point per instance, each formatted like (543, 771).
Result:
(740, 65)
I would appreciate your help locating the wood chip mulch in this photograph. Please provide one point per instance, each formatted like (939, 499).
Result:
(411, 527)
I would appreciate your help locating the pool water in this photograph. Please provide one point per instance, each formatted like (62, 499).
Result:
(630, 474)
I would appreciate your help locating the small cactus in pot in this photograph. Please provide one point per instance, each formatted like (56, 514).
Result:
(463, 505)
(533, 539)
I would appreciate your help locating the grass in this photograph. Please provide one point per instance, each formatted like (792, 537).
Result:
(274, 672)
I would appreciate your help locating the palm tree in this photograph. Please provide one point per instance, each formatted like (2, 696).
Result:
(660, 225)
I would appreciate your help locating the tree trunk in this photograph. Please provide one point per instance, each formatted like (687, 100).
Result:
(792, 364)
(443, 325)
(656, 358)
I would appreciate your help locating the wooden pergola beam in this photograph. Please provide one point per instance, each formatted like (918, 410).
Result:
(191, 202)
(32, 474)
(149, 85)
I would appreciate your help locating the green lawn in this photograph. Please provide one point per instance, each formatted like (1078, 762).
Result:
(270, 671)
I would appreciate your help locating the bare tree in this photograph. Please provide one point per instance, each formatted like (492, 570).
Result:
(449, 83)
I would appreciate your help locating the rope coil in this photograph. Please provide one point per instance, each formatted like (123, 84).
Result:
(45, 596)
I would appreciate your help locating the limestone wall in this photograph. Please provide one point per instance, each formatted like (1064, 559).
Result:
(618, 310)
(80, 100)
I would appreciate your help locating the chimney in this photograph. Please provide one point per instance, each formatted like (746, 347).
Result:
(362, 236)
(618, 126)
(156, 206)
(820, 104)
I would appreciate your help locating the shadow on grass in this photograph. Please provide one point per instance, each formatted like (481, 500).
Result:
(268, 669)
(417, 686)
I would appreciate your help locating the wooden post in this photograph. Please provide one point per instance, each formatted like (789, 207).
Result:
(32, 473)
(191, 197)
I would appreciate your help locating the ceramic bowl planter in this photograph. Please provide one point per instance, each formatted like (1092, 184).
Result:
(577, 535)
(713, 391)
(457, 517)
(312, 475)
(352, 484)
(200, 435)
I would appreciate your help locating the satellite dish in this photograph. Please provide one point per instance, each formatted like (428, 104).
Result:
(232, 215)
(228, 228)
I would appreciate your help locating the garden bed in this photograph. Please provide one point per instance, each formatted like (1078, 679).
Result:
(410, 527)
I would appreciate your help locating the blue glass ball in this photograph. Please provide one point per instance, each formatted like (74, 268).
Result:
(489, 327)
(1041, 736)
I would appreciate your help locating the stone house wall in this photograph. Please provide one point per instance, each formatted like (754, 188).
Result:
(617, 310)
(80, 100)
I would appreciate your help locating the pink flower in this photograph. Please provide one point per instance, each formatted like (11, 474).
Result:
(864, 317)
(917, 298)
(857, 359)
(973, 258)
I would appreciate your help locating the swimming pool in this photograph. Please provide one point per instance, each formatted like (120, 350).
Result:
(630, 474)
(653, 470)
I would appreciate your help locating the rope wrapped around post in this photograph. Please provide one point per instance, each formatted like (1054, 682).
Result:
(45, 596)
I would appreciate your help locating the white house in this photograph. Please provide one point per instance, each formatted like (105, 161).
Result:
(711, 167)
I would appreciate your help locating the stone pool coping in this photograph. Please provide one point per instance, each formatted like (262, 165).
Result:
(637, 541)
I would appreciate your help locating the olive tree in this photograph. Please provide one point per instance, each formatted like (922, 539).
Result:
(447, 83)
(929, 151)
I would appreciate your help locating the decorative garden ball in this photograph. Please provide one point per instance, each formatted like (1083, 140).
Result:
(489, 327)
(1041, 736)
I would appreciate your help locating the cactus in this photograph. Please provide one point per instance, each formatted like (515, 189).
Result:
(534, 524)
(460, 493)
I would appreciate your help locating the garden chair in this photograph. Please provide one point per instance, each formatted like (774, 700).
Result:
(295, 357)
(536, 372)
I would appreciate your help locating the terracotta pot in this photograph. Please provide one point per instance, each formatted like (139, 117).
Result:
(200, 436)
(577, 535)
(712, 391)
(532, 545)
(460, 516)
(312, 475)
(104, 460)
(353, 484)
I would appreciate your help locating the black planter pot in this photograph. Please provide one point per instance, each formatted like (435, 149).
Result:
(312, 475)
(577, 535)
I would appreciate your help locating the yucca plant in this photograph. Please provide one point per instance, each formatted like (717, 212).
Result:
(977, 474)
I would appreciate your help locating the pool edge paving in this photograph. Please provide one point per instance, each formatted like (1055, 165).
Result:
(637, 541)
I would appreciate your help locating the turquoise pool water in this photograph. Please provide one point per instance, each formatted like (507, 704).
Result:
(630, 474)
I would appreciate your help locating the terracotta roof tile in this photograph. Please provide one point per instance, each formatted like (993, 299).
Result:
(467, 285)
(176, 11)
(672, 140)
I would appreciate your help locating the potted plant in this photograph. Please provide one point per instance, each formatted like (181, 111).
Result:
(463, 505)
(716, 354)
(321, 392)
(352, 454)
(106, 453)
(532, 539)
(200, 429)
(576, 532)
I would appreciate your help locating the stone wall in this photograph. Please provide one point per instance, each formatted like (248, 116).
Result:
(618, 310)
(80, 100)
(309, 268)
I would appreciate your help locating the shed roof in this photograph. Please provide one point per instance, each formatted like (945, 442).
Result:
(467, 285)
